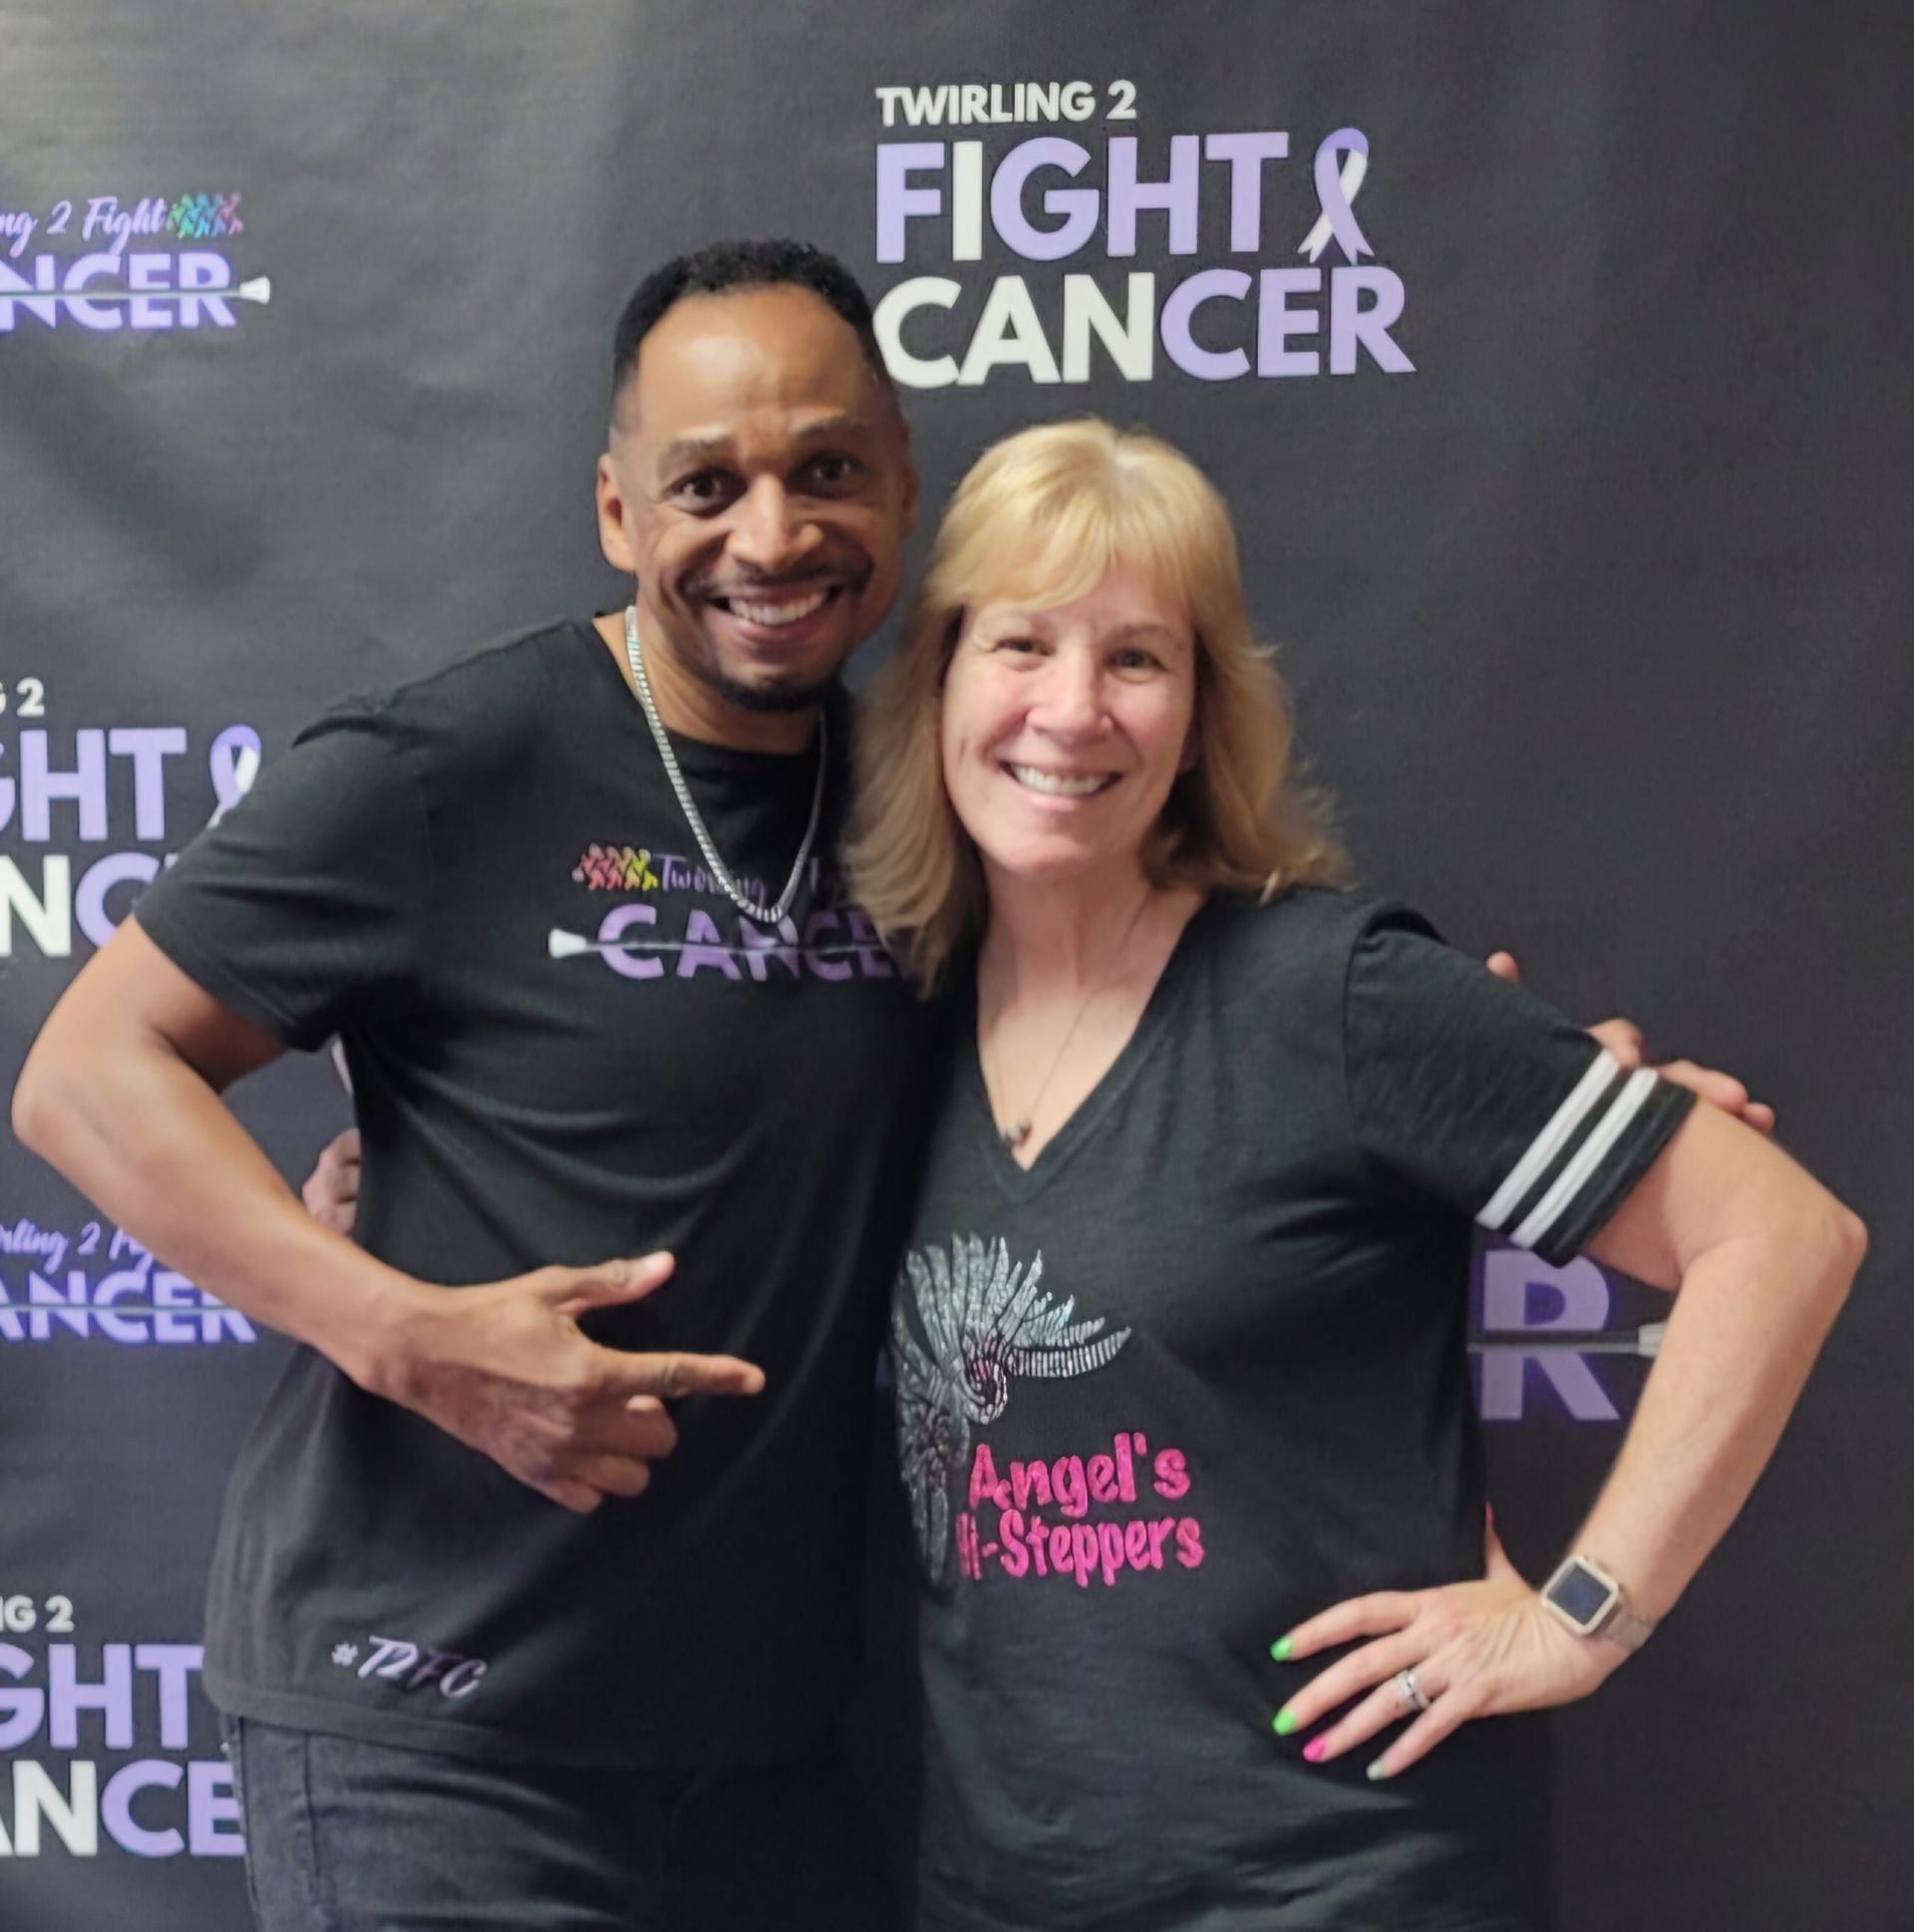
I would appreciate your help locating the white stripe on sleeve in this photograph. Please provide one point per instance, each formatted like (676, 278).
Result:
(1550, 1141)
(1588, 1156)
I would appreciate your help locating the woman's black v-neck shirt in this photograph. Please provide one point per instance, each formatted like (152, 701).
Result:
(1201, 1372)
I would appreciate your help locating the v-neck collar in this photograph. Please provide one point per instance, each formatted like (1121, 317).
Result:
(1020, 1183)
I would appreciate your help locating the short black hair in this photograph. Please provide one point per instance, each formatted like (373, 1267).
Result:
(722, 266)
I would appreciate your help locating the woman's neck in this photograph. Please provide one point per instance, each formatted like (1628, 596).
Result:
(1046, 936)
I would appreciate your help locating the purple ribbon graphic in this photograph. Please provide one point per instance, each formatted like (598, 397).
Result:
(233, 760)
(1335, 190)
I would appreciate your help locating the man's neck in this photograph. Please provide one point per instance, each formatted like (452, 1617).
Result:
(690, 707)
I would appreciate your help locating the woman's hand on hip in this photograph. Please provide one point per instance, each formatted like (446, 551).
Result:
(1481, 1649)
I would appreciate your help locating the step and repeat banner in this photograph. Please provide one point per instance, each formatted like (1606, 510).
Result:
(1552, 359)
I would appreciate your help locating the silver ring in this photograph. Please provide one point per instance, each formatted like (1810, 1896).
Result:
(1412, 1693)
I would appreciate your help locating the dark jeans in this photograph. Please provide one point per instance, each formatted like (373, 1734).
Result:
(344, 1836)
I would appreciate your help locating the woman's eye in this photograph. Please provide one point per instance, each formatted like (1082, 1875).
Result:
(1019, 646)
(1138, 660)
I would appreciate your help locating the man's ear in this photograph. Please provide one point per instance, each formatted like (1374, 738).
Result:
(612, 539)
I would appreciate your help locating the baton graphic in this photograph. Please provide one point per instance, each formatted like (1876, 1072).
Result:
(571, 945)
(259, 289)
(1645, 1342)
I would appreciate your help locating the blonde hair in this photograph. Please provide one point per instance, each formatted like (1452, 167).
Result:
(1044, 516)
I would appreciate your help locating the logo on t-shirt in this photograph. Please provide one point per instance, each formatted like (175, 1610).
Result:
(981, 1322)
(616, 868)
(672, 920)
(411, 1666)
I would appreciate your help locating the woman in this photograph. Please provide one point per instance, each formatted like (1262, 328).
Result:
(1180, 1333)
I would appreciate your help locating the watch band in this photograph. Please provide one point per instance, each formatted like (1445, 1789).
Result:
(1623, 1626)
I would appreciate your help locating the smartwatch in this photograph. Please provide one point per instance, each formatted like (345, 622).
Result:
(1590, 1601)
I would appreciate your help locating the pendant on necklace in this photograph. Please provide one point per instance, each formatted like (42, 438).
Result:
(1015, 1134)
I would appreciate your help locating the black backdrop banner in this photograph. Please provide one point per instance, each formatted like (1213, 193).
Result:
(1551, 358)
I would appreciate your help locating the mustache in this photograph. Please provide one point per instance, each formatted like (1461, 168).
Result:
(852, 577)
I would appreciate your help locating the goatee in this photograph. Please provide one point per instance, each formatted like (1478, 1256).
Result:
(775, 700)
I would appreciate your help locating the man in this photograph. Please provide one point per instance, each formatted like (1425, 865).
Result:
(471, 1678)
(599, 997)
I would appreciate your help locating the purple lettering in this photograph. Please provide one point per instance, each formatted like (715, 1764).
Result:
(1176, 196)
(872, 960)
(819, 961)
(1246, 154)
(629, 965)
(1077, 205)
(1208, 365)
(758, 946)
(1351, 323)
(1276, 322)
(705, 947)
(897, 200)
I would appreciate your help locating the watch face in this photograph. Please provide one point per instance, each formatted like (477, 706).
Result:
(1582, 1594)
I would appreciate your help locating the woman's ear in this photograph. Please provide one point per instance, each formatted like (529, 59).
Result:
(1186, 758)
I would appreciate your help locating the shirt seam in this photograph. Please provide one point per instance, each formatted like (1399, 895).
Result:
(1365, 1162)
(425, 973)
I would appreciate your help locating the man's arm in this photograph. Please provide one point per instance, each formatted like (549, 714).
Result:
(122, 1093)
(1625, 1040)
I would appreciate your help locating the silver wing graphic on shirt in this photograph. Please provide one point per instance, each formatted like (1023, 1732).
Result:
(980, 1322)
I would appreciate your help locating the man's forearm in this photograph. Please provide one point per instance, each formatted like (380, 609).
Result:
(146, 1139)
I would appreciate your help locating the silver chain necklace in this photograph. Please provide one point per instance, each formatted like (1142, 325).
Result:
(1018, 1132)
(751, 908)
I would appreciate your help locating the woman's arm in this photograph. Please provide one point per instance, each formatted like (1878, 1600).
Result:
(1761, 1256)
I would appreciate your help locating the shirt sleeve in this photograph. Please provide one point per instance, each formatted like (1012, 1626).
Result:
(304, 909)
(1470, 1089)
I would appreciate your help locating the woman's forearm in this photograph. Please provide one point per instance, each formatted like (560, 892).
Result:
(1748, 1319)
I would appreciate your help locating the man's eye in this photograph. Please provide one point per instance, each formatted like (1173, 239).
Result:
(831, 470)
(702, 488)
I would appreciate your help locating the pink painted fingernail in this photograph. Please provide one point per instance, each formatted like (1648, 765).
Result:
(1316, 1750)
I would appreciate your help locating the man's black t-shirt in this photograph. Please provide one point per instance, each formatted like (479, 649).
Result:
(566, 1044)
(1200, 1373)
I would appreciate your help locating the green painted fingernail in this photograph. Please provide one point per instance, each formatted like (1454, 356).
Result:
(1285, 1723)
(1280, 1649)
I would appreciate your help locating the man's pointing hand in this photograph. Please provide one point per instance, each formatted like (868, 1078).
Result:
(506, 1369)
